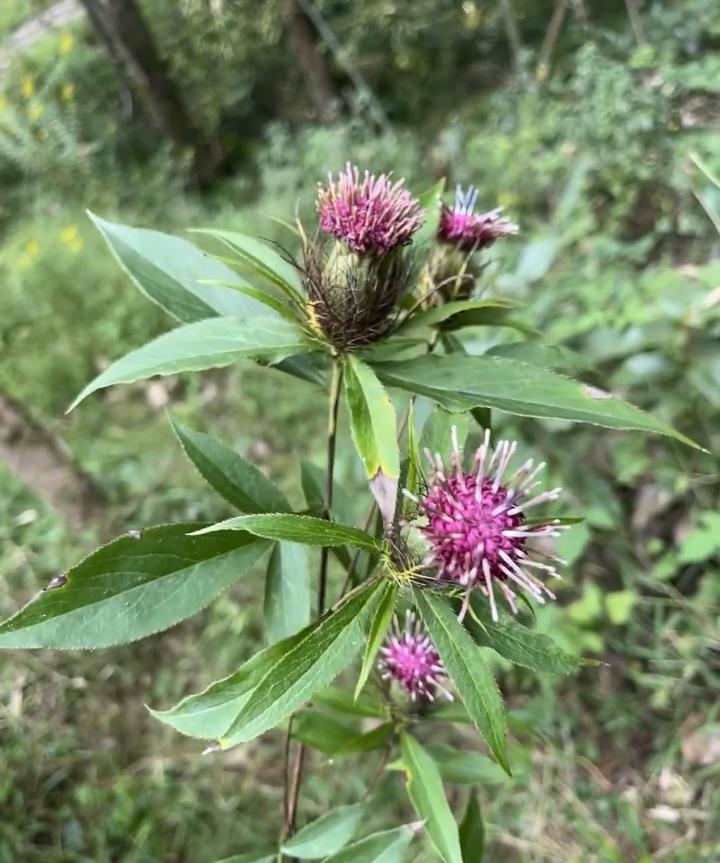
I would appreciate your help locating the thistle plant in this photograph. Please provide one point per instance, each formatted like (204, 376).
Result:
(367, 311)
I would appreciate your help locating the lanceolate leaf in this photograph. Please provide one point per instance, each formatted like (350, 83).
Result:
(209, 713)
(133, 587)
(378, 629)
(372, 420)
(472, 832)
(460, 382)
(327, 834)
(425, 789)
(287, 591)
(170, 271)
(208, 344)
(313, 659)
(463, 662)
(386, 847)
(298, 528)
(521, 645)
(464, 313)
(260, 257)
(237, 480)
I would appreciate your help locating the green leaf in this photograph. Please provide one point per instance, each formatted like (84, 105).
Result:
(342, 701)
(462, 313)
(249, 858)
(313, 659)
(437, 433)
(260, 257)
(132, 587)
(322, 732)
(287, 591)
(472, 832)
(236, 479)
(298, 528)
(464, 664)
(459, 383)
(170, 271)
(208, 344)
(424, 238)
(312, 479)
(520, 645)
(327, 834)
(466, 767)
(426, 793)
(372, 420)
(367, 742)
(548, 356)
(378, 629)
(386, 847)
(619, 604)
(209, 714)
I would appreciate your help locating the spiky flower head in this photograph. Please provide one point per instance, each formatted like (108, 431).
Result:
(371, 215)
(468, 230)
(477, 528)
(352, 301)
(410, 659)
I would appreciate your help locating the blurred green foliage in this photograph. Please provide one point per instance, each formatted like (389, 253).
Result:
(617, 259)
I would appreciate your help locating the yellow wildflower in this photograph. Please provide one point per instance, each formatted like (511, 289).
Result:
(3, 101)
(71, 238)
(67, 92)
(28, 87)
(66, 43)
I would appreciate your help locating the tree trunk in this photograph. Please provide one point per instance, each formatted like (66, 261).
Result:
(125, 33)
(318, 81)
(39, 459)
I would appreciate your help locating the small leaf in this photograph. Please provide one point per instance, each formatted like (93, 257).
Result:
(386, 847)
(460, 382)
(372, 420)
(466, 767)
(619, 604)
(378, 629)
(236, 479)
(322, 732)
(327, 834)
(437, 433)
(260, 257)
(298, 528)
(287, 591)
(133, 587)
(464, 664)
(462, 313)
(312, 660)
(472, 832)
(170, 272)
(209, 344)
(342, 701)
(426, 793)
(520, 645)
(367, 742)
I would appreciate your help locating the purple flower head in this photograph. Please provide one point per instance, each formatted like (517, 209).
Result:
(476, 525)
(471, 231)
(371, 215)
(410, 659)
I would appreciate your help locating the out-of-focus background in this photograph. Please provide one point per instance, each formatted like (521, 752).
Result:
(596, 125)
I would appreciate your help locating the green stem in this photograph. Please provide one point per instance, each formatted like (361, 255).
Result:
(293, 792)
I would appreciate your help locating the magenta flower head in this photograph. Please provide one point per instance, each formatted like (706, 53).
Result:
(410, 659)
(477, 528)
(470, 231)
(371, 215)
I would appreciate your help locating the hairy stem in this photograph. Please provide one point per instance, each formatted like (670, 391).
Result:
(292, 795)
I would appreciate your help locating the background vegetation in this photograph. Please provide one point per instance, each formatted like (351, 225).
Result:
(602, 143)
